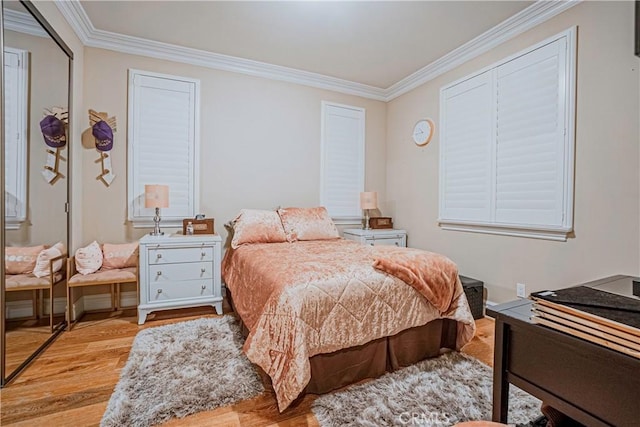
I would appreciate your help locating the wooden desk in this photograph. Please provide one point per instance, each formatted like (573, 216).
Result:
(590, 383)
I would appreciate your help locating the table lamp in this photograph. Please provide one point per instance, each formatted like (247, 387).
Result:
(156, 196)
(368, 200)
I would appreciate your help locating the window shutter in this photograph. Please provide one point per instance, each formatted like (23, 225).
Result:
(466, 158)
(16, 73)
(342, 170)
(163, 133)
(530, 134)
(506, 155)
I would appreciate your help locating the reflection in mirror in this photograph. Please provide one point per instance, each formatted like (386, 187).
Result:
(36, 93)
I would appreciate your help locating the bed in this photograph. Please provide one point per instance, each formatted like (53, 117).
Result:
(318, 315)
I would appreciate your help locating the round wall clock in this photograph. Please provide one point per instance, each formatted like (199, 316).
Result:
(423, 131)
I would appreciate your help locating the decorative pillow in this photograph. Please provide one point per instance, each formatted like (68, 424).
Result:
(21, 260)
(46, 255)
(119, 256)
(257, 226)
(89, 259)
(308, 224)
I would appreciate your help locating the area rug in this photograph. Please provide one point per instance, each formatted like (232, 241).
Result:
(180, 369)
(436, 392)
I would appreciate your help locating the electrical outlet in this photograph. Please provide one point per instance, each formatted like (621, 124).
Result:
(521, 290)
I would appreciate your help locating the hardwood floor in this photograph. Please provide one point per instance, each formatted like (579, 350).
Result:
(71, 382)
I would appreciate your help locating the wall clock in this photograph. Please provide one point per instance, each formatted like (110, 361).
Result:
(423, 131)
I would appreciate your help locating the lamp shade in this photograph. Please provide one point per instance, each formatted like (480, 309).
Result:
(156, 196)
(369, 200)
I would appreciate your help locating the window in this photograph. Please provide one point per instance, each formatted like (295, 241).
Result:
(16, 75)
(163, 144)
(506, 160)
(342, 161)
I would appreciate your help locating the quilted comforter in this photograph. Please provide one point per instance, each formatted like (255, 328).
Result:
(306, 298)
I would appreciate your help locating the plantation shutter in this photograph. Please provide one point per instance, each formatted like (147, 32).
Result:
(506, 155)
(342, 170)
(529, 138)
(163, 143)
(15, 125)
(466, 158)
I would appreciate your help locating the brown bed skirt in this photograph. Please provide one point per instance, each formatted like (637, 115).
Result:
(334, 370)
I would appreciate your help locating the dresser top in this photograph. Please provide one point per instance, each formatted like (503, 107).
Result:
(180, 238)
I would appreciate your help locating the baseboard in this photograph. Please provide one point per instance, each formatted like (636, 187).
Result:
(24, 308)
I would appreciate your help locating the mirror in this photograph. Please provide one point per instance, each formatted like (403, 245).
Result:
(36, 69)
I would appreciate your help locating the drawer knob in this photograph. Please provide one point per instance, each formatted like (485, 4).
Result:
(204, 287)
(159, 273)
(159, 256)
(202, 270)
(371, 244)
(203, 253)
(397, 244)
(159, 291)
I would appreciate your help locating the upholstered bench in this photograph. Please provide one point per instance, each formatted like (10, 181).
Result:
(30, 282)
(115, 277)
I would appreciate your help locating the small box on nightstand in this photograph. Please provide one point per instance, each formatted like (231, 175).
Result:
(474, 290)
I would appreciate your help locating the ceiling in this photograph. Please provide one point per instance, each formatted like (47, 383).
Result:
(372, 43)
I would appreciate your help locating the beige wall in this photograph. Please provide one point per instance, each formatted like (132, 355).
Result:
(607, 180)
(48, 87)
(259, 143)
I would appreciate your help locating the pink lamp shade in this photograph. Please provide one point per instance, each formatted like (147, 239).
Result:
(156, 196)
(369, 200)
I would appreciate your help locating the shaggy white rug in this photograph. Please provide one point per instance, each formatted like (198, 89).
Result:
(180, 369)
(436, 392)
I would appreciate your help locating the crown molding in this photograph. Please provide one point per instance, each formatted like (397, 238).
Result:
(23, 22)
(537, 13)
(522, 21)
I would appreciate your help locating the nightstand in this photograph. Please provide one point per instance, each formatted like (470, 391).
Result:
(179, 271)
(377, 237)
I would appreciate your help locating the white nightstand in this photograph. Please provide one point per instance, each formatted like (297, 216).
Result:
(179, 271)
(377, 237)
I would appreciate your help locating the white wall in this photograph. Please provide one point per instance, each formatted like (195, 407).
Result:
(607, 178)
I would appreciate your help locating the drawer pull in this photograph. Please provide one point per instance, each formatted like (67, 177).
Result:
(159, 291)
(204, 287)
(203, 254)
(397, 244)
(203, 270)
(159, 256)
(159, 273)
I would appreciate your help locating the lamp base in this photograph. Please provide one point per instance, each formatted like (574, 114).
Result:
(156, 228)
(366, 220)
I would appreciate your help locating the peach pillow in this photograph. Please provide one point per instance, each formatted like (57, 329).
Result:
(46, 255)
(308, 224)
(89, 259)
(119, 256)
(21, 260)
(257, 226)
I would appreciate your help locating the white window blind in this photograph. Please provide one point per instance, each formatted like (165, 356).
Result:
(506, 164)
(16, 74)
(163, 144)
(342, 161)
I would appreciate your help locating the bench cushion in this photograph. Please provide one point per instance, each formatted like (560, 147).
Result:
(121, 275)
(21, 282)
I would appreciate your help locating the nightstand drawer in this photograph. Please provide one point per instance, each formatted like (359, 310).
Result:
(168, 291)
(168, 255)
(186, 271)
(398, 241)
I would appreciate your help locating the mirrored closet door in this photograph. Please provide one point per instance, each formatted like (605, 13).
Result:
(36, 68)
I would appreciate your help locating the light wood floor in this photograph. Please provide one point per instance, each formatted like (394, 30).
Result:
(71, 382)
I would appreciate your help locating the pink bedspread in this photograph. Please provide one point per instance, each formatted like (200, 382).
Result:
(306, 298)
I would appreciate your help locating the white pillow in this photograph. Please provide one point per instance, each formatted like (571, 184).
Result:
(89, 259)
(42, 261)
